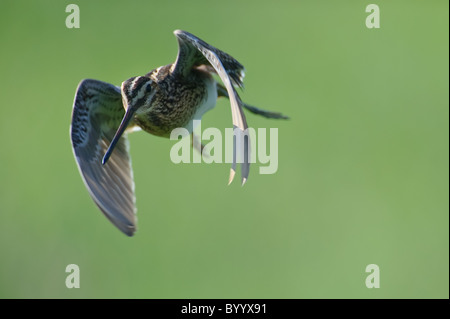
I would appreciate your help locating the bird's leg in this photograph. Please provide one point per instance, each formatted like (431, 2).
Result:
(197, 145)
(222, 91)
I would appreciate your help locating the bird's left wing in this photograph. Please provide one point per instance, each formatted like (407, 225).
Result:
(194, 51)
(97, 113)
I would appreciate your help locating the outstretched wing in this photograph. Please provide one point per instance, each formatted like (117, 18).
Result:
(97, 113)
(192, 52)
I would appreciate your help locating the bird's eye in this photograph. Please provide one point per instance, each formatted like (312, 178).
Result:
(148, 88)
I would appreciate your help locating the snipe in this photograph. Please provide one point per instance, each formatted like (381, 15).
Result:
(166, 98)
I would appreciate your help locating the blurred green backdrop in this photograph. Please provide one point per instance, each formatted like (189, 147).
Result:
(363, 162)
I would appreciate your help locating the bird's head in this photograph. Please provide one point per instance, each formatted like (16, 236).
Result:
(137, 95)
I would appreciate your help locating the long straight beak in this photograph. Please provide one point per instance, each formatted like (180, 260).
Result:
(123, 125)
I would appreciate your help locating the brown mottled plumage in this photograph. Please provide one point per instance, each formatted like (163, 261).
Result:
(166, 113)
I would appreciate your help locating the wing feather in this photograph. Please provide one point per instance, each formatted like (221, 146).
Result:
(194, 51)
(97, 113)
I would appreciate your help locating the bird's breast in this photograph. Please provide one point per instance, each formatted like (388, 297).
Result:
(177, 102)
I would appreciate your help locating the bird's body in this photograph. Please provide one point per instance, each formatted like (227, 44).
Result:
(169, 97)
(177, 101)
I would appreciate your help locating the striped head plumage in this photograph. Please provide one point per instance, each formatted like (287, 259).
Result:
(137, 93)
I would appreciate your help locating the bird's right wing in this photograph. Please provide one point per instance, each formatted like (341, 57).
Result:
(193, 52)
(97, 113)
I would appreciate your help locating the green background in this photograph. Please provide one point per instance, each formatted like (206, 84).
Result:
(363, 162)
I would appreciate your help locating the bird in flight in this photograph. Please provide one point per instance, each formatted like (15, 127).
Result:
(169, 97)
